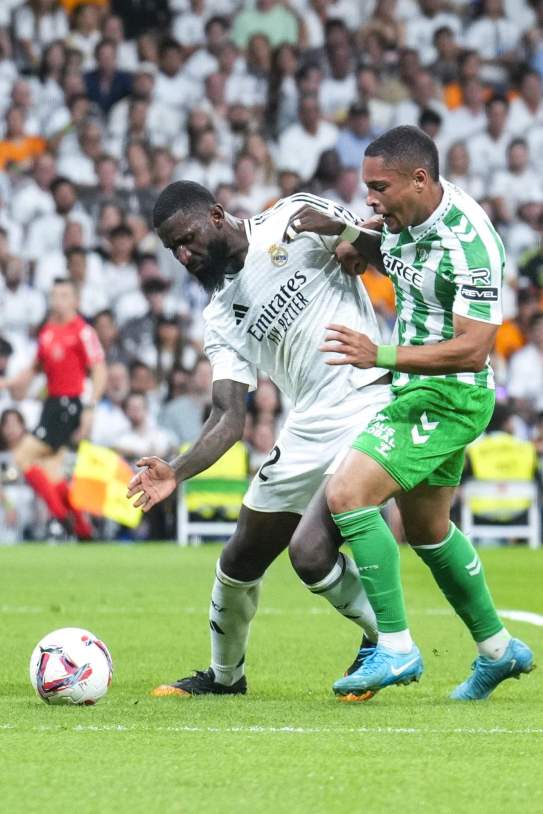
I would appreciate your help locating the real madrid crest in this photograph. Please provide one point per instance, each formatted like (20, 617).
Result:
(278, 254)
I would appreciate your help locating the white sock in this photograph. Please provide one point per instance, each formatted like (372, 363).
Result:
(495, 646)
(344, 590)
(400, 642)
(233, 605)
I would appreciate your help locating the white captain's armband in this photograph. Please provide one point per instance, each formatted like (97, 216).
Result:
(352, 233)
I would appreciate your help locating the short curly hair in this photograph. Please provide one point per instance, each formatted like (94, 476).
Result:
(181, 195)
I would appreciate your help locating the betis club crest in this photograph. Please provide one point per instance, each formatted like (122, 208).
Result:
(278, 254)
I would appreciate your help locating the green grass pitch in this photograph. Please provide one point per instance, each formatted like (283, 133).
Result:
(288, 746)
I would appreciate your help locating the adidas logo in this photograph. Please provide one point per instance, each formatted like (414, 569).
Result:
(239, 312)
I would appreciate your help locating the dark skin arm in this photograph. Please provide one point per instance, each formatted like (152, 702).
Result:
(366, 246)
(466, 352)
(158, 479)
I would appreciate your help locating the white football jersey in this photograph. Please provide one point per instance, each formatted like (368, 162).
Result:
(271, 315)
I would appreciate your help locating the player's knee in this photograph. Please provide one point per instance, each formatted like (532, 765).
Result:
(310, 559)
(340, 495)
(238, 563)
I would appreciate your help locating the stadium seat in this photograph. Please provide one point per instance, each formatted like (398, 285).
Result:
(480, 500)
(209, 504)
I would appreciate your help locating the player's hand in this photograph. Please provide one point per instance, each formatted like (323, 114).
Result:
(308, 219)
(351, 262)
(153, 483)
(357, 349)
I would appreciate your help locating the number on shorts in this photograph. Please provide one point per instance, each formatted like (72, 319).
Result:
(275, 454)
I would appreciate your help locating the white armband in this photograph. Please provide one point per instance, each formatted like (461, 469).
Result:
(350, 233)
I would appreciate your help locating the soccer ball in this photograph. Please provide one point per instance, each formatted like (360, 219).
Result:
(70, 666)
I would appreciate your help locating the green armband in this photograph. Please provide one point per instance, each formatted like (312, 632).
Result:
(386, 356)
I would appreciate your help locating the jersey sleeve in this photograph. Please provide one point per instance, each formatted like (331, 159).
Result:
(93, 352)
(478, 263)
(226, 362)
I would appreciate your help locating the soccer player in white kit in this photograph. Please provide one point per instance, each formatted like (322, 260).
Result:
(269, 307)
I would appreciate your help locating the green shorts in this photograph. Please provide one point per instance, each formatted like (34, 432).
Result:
(421, 436)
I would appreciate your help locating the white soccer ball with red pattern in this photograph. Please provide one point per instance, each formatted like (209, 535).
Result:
(71, 666)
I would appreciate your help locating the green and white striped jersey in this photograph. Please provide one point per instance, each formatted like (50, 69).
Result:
(450, 264)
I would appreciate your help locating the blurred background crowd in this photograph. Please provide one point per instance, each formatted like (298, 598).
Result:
(102, 104)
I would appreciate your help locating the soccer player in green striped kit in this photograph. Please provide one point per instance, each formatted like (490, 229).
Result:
(446, 262)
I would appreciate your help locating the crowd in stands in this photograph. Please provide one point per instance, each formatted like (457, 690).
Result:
(103, 103)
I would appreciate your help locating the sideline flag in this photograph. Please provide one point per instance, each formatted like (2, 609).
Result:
(99, 484)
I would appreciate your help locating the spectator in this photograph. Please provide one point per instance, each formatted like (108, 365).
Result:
(205, 166)
(470, 117)
(348, 192)
(445, 67)
(527, 108)
(338, 88)
(140, 16)
(517, 184)
(183, 414)
(80, 165)
(356, 136)
(85, 33)
(107, 84)
(22, 307)
(172, 87)
(459, 172)
(143, 437)
(270, 16)
(262, 439)
(424, 95)
(488, 149)
(87, 277)
(46, 232)
(33, 198)
(108, 334)
(110, 419)
(120, 273)
(496, 38)
(16, 147)
(36, 24)
(525, 381)
(513, 333)
(421, 29)
(301, 145)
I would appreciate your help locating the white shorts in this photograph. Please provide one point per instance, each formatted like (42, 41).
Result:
(311, 445)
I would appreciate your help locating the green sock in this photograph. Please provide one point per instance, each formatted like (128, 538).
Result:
(376, 554)
(458, 571)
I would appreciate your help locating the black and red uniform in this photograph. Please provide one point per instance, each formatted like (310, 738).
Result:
(65, 352)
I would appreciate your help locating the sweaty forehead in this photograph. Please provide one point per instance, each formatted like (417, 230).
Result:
(375, 168)
(178, 224)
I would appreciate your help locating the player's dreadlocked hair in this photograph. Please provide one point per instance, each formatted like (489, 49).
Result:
(406, 146)
(181, 195)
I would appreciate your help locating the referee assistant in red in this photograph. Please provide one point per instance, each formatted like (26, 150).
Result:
(68, 349)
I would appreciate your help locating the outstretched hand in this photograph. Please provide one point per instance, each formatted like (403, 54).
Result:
(357, 348)
(153, 483)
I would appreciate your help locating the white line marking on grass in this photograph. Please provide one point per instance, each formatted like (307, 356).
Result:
(523, 616)
(281, 730)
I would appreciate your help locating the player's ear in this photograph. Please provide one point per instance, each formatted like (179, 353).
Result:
(420, 178)
(217, 215)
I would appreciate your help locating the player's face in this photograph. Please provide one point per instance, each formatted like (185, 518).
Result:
(197, 240)
(391, 193)
(63, 301)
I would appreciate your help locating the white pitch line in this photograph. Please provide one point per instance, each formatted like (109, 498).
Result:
(523, 616)
(272, 730)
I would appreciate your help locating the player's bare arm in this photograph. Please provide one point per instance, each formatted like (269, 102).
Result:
(158, 479)
(466, 352)
(365, 244)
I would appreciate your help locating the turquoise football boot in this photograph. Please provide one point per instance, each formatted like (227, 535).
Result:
(381, 669)
(488, 673)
